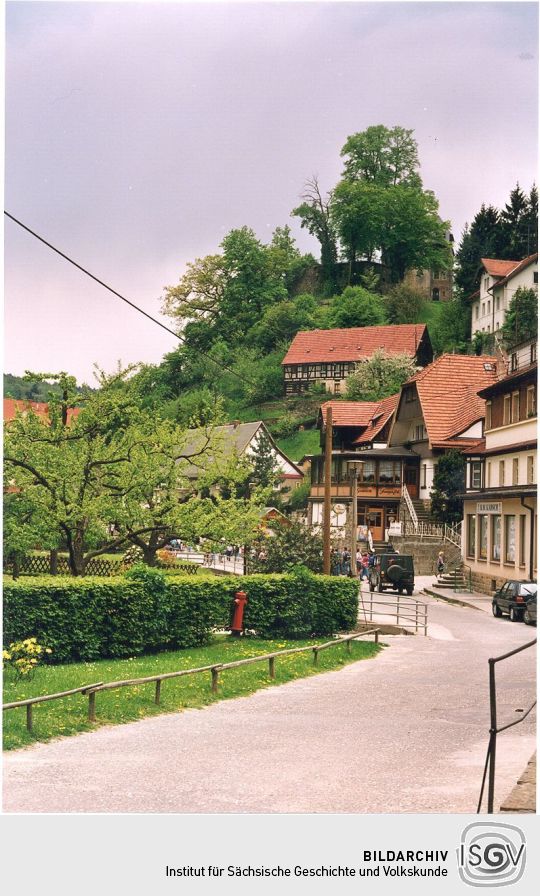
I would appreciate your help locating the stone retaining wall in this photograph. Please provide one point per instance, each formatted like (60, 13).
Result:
(425, 552)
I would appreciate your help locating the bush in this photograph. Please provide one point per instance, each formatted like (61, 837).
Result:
(89, 619)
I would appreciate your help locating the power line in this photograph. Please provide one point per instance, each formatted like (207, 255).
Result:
(120, 296)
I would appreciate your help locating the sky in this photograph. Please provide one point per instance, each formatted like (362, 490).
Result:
(138, 134)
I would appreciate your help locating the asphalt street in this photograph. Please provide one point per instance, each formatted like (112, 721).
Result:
(404, 732)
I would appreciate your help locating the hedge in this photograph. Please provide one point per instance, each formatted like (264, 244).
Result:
(89, 618)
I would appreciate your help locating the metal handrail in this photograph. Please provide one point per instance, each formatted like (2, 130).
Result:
(409, 612)
(410, 506)
(494, 730)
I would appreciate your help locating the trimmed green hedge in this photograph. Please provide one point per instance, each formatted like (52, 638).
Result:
(90, 618)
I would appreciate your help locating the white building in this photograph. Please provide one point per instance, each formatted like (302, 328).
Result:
(499, 281)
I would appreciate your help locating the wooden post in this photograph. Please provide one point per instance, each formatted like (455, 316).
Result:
(315, 656)
(215, 675)
(272, 666)
(416, 624)
(354, 520)
(349, 645)
(377, 637)
(327, 506)
(157, 698)
(397, 616)
(29, 720)
(92, 706)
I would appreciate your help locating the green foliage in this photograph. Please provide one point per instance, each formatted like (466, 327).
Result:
(300, 495)
(304, 441)
(134, 554)
(87, 619)
(292, 543)
(448, 484)
(404, 305)
(382, 156)
(356, 307)
(521, 317)
(281, 322)
(380, 376)
(450, 332)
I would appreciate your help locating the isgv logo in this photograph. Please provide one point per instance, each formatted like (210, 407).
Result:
(491, 854)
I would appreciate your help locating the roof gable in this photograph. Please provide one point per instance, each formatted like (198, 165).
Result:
(498, 267)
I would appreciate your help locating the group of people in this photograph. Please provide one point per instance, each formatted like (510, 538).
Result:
(342, 563)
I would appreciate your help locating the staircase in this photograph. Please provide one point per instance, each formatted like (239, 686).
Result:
(455, 579)
(423, 515)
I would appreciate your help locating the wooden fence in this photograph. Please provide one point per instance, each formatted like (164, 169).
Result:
(215, 670)
(36, 564)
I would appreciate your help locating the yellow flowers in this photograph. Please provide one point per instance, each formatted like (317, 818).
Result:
(23, 656)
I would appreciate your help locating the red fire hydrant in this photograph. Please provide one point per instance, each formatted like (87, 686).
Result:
(237, 624)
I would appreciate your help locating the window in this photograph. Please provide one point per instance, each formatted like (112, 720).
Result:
(483, 526)
(476, 474)
(510, 538)
(488, 415)
(483, 308)
(522, 525)
(366, 472)
(486, 282)
(535, 276)
(435, 294)
(515, 407)
(420, 433)
(515, 470)
(495, 537)
(530, 469)
(389, 472)
(471, 536)
(506, 409)
(488, 483)
(337, 388)
(514, 362)
(409, 394)
(533, 352)
(501, 473)
(531, 401)
(424, 475)
(489, 307)
(497, 303)
(476, 311)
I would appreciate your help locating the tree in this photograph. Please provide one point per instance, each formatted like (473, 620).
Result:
(382, 156)
(451, 330)
(380, 376)
(521, 317)
(356, 307)
(413, 235)
(314, 214)
(358, 214)
(513, 220)
(199, 293)
(280, 323)
(266, 471)
(404, 305)
(448, 485)
(292, 544)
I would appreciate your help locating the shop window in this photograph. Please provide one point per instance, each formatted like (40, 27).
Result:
(515, 471)
(496, 538)
(483, 527)
(471, 536)
(510, 538)
(515, 407)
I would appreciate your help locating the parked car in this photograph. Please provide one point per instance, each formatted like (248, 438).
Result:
(512, 598)
(392, 571)
(529, 614)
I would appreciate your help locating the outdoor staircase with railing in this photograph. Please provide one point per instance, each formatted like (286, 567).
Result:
(418, 521)
(458, 578)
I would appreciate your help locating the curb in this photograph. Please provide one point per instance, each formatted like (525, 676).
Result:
(450, 600)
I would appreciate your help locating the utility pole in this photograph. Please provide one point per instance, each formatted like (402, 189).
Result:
(327, 506)
(354, 516)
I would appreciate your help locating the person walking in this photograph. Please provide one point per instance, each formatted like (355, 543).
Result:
(369, 537)
(365, 566)
(440, 563)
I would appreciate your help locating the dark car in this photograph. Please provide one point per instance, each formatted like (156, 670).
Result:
(529, 614)
(392, 571)
(512, 598)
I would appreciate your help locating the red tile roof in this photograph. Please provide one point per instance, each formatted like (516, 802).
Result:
(498, 267)
(386, 408)
(354, 344)
(448, 392)
(350, 413)
(12, 406)
(518, 268)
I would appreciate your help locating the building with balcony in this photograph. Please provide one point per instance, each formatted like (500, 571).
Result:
(499, 281)
(328, 357)
(500, 515)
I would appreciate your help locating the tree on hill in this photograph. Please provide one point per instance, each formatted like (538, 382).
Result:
(382, 156)
(404, 305)
(380, 376)
(356, 307)
(314, 214)
(521, 317)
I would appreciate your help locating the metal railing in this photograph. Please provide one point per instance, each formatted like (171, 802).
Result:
(433, 530)
(215, 669)
(410, 506)
(408, 612)
(494, 730)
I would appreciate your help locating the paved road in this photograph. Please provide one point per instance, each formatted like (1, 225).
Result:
(405, 732)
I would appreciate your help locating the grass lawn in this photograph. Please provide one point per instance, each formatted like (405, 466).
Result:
(306, 441)
(69, 715)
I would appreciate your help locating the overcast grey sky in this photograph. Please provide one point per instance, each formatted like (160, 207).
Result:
(138, 134)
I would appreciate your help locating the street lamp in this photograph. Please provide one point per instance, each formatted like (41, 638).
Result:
(354, 509)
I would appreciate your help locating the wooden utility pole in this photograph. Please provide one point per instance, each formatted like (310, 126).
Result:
(354, 517)
(327, 506)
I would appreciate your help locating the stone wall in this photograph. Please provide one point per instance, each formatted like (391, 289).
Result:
(425, 552)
